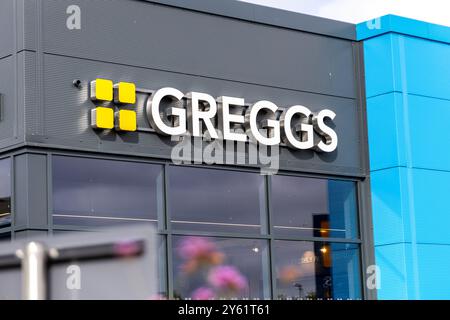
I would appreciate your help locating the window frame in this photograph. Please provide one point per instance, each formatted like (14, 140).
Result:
(364, 221)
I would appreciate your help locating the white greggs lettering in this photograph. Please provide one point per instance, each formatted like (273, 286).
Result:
(295, 126)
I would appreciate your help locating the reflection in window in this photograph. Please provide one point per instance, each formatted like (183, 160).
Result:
(5, 193)
(217, 268)
(314, 207)
(216, 200)
(93, 192)
(317, 270)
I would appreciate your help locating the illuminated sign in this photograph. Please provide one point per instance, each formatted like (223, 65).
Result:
(171, 112)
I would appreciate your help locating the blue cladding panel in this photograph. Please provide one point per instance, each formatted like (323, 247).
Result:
(429, 132)
(385, 124)
(434, 266)
(407, 68)
(396, 62)
(431, 207)
(396, 138)
(398, 278)
(388, 206)
(397, 24)
(373, 28)
(394, 203)
(391, 260)
(426, 67)
(380, 76)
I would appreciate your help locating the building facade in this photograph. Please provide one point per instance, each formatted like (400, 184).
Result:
(99, 100)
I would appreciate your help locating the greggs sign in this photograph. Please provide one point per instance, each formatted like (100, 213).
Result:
(171, 112)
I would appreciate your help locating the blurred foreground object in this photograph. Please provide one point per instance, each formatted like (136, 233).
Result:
(105, 264)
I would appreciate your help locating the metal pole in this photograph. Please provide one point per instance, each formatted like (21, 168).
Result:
(34, 279)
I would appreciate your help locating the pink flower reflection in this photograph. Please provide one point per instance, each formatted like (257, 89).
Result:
(195, 247)
(203, 293)
(198, 252)
(227, 278)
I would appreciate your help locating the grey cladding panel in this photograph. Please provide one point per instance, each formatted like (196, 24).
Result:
(21, 207)
(7, 106)
(156, 36)
(27, 24)
(6, 27)
(31, 97)
(30, 190)
(66, 113)
(267, 15)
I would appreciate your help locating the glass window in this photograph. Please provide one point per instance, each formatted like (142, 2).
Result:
(314, 207)
(216, 200)
(5, 193)
(97, 192)
(317, 270)
(215, 268)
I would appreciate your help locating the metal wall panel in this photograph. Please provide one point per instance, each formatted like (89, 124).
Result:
(7, 110)
(66, 113)
(30, 191)
(6, 27)
(145, 34)
(33, 107)
(28, 24)
(267, 15)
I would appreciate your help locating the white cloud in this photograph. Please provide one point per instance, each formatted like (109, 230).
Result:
(355, 11)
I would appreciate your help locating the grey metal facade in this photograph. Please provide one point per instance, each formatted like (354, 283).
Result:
(220, 47)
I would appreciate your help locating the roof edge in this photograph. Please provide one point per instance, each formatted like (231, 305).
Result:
(397, 24)
(267, 15)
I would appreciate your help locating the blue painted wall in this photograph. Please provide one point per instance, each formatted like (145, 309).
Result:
(407, 68)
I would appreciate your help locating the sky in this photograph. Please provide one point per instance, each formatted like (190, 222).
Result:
(355, 11)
